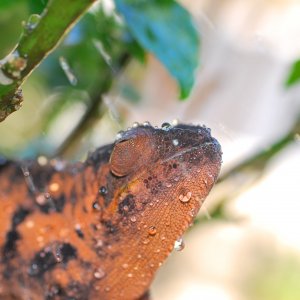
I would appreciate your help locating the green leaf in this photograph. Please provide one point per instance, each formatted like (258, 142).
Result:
(166, 29)
(294, 75)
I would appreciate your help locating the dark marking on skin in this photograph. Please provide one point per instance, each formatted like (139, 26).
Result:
(47, 259)
(9, 248)
(110, 228)
(73, 197)
(127, 205)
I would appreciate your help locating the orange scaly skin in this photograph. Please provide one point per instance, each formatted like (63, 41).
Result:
(100, 229)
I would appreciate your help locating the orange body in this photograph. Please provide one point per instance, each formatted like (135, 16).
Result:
(100, 229)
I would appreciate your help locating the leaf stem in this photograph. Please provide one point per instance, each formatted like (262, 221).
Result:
(40, 36)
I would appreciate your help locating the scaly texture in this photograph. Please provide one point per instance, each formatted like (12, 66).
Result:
(100, 229)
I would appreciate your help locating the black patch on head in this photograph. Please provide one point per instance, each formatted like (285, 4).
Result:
(19, 216)
(127, 205)
(47, 259)
(53, 205)
(110, 228)
(9, 248)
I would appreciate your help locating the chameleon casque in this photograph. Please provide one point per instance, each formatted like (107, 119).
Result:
(100, 229)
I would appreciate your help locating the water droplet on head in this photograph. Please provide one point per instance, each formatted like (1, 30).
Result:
(96, 206)
(185, 198)
(152, 230)
(179, 245)
(129, 275)
(119, 135)
(146, 241)
(135, 125)
(175, 142)
(102, 190)
(146, 123)
(133, 219)
(99, 273)
(125, 266)
(175, 122)
(166, 126)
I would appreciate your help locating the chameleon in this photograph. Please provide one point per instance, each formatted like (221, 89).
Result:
(100, 229)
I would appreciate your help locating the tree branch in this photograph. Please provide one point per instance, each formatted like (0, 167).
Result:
(40, 36)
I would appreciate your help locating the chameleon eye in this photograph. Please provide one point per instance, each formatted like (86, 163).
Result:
(129, 155)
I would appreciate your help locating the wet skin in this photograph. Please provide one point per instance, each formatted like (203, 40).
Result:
(101, 229)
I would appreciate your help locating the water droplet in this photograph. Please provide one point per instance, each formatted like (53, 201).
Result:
(166, 126)
(32, 22)
(102, 190)
(125, 208)
(133, 219)
(29, 224)
(54, 187)
(42, 160)
(125, 266)
(175, 142)
(139, 256)
(99, 244)
(185, 198)
(179, 245)
(135, 125)
(40, 199)
(107, 289)
(99, 273)
(168, 184)
(67, 70)
(96, 206)
(146, 241)
(146, 123)
(119, 135)
(152, 230)
(175, 122)
(129, 275)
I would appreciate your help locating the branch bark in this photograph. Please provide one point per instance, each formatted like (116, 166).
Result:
(40, 36)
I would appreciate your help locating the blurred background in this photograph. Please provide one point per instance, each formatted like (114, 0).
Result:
(245, 243)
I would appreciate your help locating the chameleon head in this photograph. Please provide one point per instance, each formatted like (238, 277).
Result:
(163, 176)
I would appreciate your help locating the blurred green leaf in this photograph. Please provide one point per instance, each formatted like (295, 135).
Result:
(166, 29)
(294, 75)
(7, 3)
(37, 6)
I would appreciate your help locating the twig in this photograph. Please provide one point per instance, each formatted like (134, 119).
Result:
(40, 36)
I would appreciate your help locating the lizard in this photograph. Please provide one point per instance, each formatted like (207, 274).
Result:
(101, 228)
